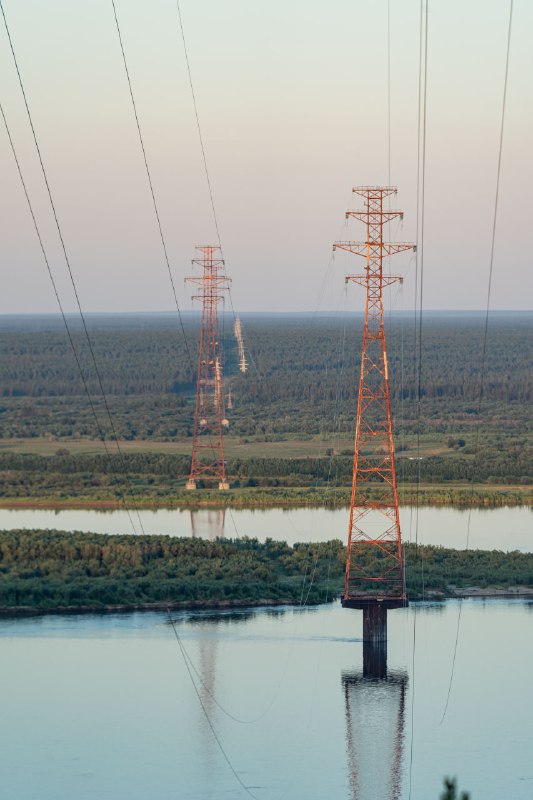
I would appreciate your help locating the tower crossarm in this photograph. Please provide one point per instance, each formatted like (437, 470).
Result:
(385, 280)
(366, 215)
(377, 248)
(214, 262)
(375, 192)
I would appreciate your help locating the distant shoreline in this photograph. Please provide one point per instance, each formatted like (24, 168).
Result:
(438, 496)
(473, 593)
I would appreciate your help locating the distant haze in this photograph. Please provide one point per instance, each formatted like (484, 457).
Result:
(292, 99)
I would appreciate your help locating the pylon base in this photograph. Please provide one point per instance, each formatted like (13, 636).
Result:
(190, 485)
(223, 486)
(362, 602)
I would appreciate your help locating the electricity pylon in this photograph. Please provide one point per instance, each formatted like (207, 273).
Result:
(243, 364)
(374, 578)
(210, 415)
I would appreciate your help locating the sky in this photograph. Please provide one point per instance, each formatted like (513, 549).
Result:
(292, 97)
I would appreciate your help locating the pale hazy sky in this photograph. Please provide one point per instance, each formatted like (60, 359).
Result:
(292, 97)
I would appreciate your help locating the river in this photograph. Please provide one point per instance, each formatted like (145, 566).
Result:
(104, 707)
(500, 528)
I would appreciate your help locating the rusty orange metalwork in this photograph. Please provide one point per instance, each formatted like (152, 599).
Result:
(374, 560)
(210, 414)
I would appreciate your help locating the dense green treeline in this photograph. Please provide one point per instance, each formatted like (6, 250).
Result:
(52, 569)
(302, 378)
(301, 385)
(294, 359)
(134, 476)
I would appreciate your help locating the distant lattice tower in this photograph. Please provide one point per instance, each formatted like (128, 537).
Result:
(210, 415)
(243, 364)
(374, 578)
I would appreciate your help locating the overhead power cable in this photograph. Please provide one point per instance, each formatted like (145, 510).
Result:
(491, 260)
(419, 295)
(204, 157)
(206, 714)
(151, 185)
(65, 254)
(63, 315)
(485, 335)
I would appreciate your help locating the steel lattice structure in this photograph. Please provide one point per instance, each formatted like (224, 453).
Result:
(210, 415)
(374, 562)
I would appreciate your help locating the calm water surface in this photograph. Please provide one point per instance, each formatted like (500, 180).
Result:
(104, 707)
(501, 528)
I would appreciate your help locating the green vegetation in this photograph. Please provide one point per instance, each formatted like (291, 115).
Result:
(54, 570)
(293, 416)
(450, 791)
(146, 479)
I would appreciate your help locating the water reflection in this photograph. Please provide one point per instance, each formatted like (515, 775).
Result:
(375, 727)
(208, 524)
(498, 528)
(221, 616)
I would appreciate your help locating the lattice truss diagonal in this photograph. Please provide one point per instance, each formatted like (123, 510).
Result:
(374, 562)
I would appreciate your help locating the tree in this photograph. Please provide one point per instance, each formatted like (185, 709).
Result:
(450, 791)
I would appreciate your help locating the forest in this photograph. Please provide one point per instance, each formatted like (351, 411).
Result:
(148, 480)
(56, 570)
(301, 385)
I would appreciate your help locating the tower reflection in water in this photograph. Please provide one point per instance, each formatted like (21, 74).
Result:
(375, 726)
(208, 524)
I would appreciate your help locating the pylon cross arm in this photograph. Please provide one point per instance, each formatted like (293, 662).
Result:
(385, 248)
(386, 280)
(366, 216)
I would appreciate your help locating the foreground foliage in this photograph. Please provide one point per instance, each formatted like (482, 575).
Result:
(54, 570)
(450, 791)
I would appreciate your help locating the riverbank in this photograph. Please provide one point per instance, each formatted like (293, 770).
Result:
(458, 495)
(516, 593)
(128, 608)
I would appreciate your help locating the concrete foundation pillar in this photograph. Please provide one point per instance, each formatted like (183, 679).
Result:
(375, 641)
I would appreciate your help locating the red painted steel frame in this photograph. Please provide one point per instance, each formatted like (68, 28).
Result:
(374, 562)
(210, 416)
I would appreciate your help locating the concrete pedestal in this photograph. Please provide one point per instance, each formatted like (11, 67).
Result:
(375, 641)
(375, 623)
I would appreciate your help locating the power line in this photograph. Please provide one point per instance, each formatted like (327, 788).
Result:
(419, 272)
(206, 714)
(421, 246)
(388, 100)
(65, 254)
(150, 183)
(485, 335)
(204, 157)
(491, 260)
(63, 315)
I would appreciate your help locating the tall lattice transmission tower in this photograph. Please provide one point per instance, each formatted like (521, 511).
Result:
(374, 562)
(210, 414)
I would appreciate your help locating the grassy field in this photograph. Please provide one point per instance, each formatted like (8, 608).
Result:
(234, 447)
(41, 473)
